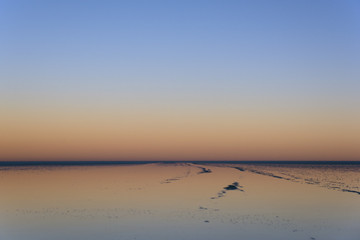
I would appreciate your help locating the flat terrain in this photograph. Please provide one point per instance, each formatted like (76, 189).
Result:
(180, 201)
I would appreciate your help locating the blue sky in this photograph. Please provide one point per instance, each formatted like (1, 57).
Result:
(186, 43)
(214, 55)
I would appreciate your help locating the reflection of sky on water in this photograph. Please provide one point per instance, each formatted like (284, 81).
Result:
(177, 201)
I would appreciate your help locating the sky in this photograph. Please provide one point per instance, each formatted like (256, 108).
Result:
(179, 80)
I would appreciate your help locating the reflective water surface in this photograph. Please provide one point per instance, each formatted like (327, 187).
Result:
(180, 201)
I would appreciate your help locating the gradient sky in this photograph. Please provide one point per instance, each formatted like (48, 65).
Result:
(180, 80)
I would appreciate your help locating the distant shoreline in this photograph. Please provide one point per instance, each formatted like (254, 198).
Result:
(95, 163)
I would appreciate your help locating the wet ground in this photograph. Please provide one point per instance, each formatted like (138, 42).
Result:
(180, 201)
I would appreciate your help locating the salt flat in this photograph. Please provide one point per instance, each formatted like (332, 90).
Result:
(180, 201)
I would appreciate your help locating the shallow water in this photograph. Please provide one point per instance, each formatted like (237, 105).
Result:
(180, 201)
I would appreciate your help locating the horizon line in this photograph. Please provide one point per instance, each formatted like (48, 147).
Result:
(119, 162)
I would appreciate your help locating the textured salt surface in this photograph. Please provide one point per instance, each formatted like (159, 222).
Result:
(344, 178)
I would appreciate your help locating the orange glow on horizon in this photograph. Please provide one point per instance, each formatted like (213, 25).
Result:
(174, 135)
